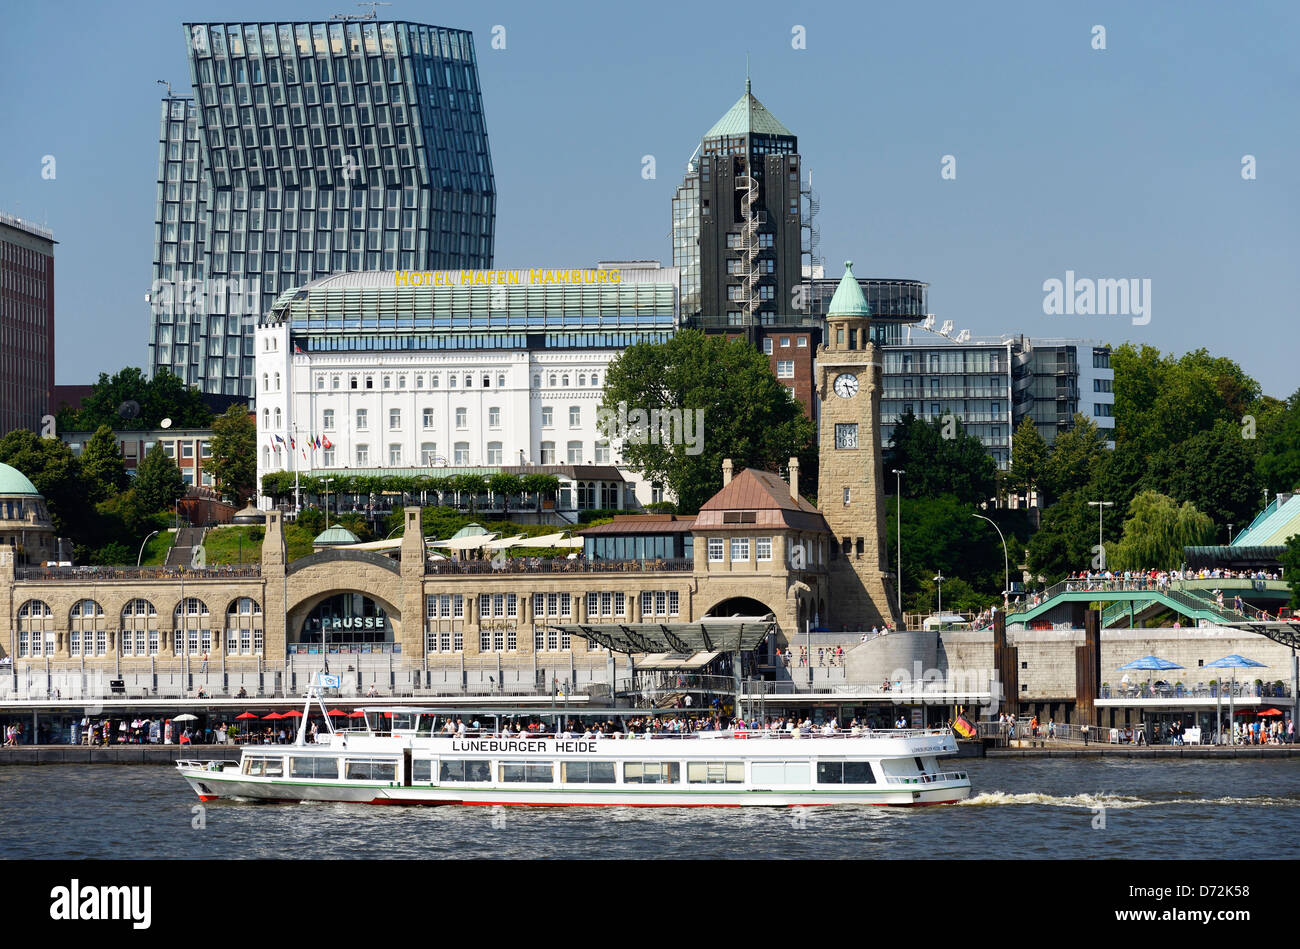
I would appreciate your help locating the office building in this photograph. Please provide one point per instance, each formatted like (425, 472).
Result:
(309, 149)
(27, 321)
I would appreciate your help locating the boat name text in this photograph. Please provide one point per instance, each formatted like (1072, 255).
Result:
(520, 745)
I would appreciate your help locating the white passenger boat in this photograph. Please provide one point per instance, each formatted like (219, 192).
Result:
(404, 757)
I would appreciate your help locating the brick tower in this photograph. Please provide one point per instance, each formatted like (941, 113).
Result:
(851, 474)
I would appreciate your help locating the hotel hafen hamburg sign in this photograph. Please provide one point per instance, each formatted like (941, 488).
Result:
(487, 278)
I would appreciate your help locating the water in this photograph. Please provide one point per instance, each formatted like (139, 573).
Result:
(1023, 808)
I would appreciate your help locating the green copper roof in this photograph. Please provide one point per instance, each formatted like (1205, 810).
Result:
(338, 534)
(470, 530)
(13, 481)
(848, 299)
(748, 116)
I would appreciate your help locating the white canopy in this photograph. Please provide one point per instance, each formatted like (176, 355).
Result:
(559, 539)
(472, 542)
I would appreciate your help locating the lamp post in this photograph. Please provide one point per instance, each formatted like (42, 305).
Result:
(140, 557)
(939, 580)
(327, 502)
(898, 529)
(1006, 561)
(1101, 545)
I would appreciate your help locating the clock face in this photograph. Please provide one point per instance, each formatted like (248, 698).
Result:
(846, 435)
(846, 385)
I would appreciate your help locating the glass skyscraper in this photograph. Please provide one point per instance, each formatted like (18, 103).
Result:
(309, 149)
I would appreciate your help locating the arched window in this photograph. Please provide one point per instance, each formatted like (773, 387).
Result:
(266, 383)
(35, 629)
(469, 381)
(266, 418)
(564, 380)
(139, 635)
(277, 416)
(191, 606)
(501, 380)
(552, 380)
(595, 379)
(277, 382)
(582, 378)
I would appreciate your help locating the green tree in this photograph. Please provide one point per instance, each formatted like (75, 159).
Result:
(1291, 564)
(1216, 470)
(940, 458)
(1279, 454)
(158, 482)
(1075, 459)
(1029, 454)
(1066, 541)
(941, 535)
(128, 401)
(1156, 531)
(505, 486)
(49, 464)
(234, 454)
(102, 465)
(747, 415)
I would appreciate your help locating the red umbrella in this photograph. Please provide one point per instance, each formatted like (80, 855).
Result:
(334, 711)
(357, 715)
(1270, 711)
(246, 715)
(292, 713)
(275, 715)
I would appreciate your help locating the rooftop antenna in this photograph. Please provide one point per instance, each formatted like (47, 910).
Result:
(363, 16)
(164, 82)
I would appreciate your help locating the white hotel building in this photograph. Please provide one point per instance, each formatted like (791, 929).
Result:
(466, 372)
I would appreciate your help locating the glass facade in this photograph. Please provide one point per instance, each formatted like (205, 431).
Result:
(309, 149)
(686, 238)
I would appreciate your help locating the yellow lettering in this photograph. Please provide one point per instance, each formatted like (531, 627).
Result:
(515, 275)
(417, 279)
(550, 277)
(602, 276)
(399, 278)
(534, 276)
(614, 276)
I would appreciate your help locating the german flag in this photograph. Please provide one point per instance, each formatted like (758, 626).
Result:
(963, 728)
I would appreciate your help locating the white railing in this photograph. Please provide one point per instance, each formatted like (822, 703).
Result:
(928, 778)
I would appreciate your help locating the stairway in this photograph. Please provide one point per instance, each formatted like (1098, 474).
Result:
(183, 544)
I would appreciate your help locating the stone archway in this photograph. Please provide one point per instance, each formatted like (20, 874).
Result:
(308, 621)
(739, 606)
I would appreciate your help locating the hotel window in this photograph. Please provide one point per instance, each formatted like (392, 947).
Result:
(739, 548)
(419, 382)
(462, 418)
(428, 451)
(548, 453)
(433, 382)
(363, 456)
(763, 548)
(327, 458)
(362, 419)
(537, 380)
(785, 369)
(327, 420)
(574, 450)
(370, 382)
(494, 453)
(494, 417)
(394, 455)
(394, 419)
(469, 381)
(462, 453)
(334, 382)
(427, 418)
(602, 453)
(548, 416)
(501, 381)
(451, 380)
(575, 416)
(715, 549)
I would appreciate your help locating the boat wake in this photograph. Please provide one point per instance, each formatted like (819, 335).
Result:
(1118, 801)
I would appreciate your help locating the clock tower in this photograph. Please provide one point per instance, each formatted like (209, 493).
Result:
(851, 470)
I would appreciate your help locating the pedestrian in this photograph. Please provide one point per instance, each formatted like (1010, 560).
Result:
(1084, 728)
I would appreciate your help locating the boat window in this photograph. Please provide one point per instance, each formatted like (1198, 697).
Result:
(422, 770)
(461, 769)
(371, 769)
(715, 772)
(314, 768)
(779, 772)
(426, 725)
(845, 772)
(588, 772)
(259, 765)
(651, 772)
(403, 720)
(532, 772)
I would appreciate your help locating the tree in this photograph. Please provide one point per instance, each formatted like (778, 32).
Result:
(941, 535)
(49, 464)
(1279, 454)
(1291, 564)
(505, 486)
(940, 458)
(1156, 531)
(234, 454)
(158, 482)
(127, 401)
(1216, 470)
(1075, 458)
(1029, 453)
(1067, 539)
(713, 398)
(102, 465)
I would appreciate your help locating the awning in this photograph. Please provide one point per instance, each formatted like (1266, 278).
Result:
(709, 635)
(472, 542)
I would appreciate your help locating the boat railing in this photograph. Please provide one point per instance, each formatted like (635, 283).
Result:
(206, 764)
(712, 734)
(929, 778)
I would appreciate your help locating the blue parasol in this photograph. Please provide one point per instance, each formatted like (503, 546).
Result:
(1152, 663)
(1233, 662)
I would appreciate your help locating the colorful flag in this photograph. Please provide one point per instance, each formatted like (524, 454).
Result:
(963, 728)
(327, 444)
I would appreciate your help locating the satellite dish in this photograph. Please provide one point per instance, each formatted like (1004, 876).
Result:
(165, 423)
(129, 409)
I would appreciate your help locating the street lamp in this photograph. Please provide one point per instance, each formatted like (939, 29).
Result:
(140, 557)
(1101, 545)
(939, 580)
(327, 502)
(898, 527)
(1006, 562)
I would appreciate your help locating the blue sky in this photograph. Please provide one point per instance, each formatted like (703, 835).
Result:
(1115, 163)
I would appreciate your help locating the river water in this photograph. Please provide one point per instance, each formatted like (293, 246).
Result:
(1022, 808)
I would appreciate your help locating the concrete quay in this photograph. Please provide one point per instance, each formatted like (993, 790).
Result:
(122, 754)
